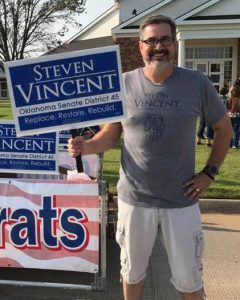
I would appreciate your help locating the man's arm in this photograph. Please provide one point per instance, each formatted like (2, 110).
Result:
(221, 143)
(105, 139)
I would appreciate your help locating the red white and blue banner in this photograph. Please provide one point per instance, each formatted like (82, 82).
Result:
(66, 91)
(49, 225)
(36, 154)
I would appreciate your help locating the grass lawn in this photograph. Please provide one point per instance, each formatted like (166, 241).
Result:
(5, 110)
(225, 186)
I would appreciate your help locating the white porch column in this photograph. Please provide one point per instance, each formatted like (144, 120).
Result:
(181, 52)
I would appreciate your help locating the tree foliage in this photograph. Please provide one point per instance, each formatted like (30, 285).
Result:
(27, 25)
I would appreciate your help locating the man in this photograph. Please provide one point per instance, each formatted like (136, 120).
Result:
(158, 189)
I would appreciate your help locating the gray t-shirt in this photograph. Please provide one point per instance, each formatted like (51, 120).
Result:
(158, 151)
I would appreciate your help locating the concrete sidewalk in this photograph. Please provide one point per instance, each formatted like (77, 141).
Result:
(220, 205)
(222, 256)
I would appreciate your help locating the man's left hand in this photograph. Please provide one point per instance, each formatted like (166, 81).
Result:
(197, 185)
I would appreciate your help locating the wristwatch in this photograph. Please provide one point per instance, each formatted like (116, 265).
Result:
(211, 171)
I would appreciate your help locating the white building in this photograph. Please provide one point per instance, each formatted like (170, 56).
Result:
(208, 34)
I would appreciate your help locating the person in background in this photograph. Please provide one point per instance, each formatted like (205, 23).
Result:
(209, 135)
(201, 131)
(223, 91)
(234, 114)
(158, 189)
(203, 127)
(235, 85)
(204, 131)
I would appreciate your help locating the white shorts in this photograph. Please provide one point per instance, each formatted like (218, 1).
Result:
(181, 234)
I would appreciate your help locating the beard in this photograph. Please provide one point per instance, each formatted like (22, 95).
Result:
(159, 60)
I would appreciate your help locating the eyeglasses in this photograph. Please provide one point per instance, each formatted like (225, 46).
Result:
(164, 41)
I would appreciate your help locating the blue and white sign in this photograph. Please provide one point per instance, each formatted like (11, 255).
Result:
(37, 154)
(64, 136)
(66, 91)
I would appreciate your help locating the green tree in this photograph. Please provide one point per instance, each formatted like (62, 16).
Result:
(25, 25)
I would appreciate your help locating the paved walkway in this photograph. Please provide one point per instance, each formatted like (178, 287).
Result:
(222, 256)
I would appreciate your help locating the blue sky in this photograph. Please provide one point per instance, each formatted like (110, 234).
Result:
(93, 10)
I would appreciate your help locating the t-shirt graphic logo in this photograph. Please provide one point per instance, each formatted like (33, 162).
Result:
(154, 127)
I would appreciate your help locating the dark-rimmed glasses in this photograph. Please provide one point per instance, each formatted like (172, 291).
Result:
(164, 41)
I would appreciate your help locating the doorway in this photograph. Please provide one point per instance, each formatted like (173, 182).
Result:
(214, 69)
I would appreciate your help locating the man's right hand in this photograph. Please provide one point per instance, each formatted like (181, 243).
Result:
(105, 139)
(76, 146)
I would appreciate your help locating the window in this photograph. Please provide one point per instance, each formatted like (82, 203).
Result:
(228, 52)
(189, 53)
(201, 57)
(189, 64)
(228, 72)
(215, 67)
(208, 52)
(3, 89)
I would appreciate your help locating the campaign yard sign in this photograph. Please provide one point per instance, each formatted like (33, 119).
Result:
(37, 154)
(64, 136)
(66, 91)
(49, 225)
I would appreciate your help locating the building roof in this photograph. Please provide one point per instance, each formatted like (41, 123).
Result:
(187, 13)
(83, 44)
